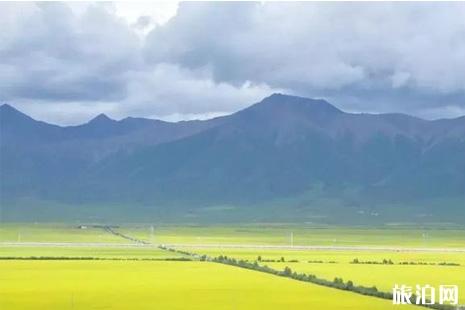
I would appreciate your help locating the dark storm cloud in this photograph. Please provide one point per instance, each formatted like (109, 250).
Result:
(412, 53)
(58, 56)
(214, 58)
(54, 60)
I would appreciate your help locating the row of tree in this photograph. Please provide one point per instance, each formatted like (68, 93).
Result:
(384, 262)
(337, 283)
(94, 258)
(280, 260)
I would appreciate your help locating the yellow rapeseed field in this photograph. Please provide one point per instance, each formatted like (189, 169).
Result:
(384, 277)
(61, 285)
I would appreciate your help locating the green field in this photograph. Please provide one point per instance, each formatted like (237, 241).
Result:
(384, 277)
(259, 234)
(124, 278)
(331, 264)
(161, 285)
(337, 256)
(30, 232)
(136, 252)
(301, 235)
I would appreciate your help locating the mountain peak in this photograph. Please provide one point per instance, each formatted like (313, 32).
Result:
(292, 99)
(10, 113)
(280, 106)
(101, 118)
(6, 108)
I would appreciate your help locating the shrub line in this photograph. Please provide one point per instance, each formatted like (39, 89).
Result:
(337, 283)
(93, 258)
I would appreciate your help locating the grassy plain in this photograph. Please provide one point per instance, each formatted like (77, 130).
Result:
(161, 285)
(331, 264)
(384, 277)
(77, 284)
(338, 256)
(268, 234)
(253, 234)
(31, 232)
(136, 252)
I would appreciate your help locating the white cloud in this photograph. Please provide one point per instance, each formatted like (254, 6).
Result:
(169, 89)
(202, 59)
(163, 91)
(322, 44)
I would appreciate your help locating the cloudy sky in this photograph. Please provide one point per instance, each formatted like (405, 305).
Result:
(67, 62)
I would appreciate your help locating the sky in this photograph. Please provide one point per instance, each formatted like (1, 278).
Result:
(68, 62)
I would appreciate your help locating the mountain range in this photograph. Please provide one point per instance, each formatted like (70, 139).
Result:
(284, 158)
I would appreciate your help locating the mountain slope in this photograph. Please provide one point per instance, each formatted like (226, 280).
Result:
(40, 159)
(282, 146)
(292, 152)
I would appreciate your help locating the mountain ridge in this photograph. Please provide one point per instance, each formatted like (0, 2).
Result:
(284, 148)
(273, 99)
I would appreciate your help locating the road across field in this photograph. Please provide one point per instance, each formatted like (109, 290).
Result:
(137, 243)
(320, 248)
(73, 244)
(237, 246)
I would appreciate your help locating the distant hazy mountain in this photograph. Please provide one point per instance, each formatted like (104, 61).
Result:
(282, 157)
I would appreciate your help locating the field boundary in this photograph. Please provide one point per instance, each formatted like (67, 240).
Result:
(73, 244)
(181, 259)
(337, 283)
(110, 230)
(319, 248)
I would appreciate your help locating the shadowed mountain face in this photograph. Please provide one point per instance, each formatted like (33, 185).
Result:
(298, 155)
